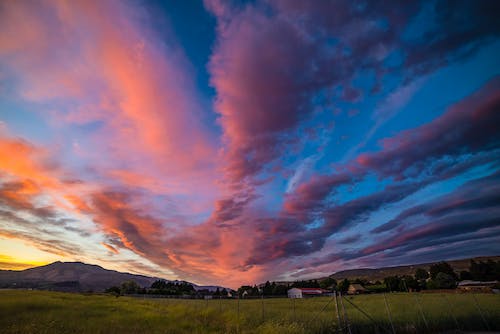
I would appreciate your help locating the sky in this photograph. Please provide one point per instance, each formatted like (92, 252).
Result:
(234, 142)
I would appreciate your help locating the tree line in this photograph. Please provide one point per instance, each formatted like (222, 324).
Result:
(159, 287)
(438, 276)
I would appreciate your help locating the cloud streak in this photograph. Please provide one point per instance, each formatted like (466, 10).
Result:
(114, 154)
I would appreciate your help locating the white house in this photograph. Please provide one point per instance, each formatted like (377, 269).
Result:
(295, 293)
(304, 292)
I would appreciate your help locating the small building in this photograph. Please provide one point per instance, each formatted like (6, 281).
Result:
(305, 292)
(476, 286)
(356, 289)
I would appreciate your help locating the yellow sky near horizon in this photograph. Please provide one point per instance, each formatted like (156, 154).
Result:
(16, 254)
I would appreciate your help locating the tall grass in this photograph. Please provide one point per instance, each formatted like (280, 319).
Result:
(53, 312)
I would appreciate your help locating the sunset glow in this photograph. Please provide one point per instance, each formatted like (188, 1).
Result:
(234, 142)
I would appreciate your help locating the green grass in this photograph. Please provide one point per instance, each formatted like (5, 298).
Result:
(53, 312)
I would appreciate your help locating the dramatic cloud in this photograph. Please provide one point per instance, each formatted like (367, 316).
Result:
(479, 194)
(289, 139)
(111, 75)
(467, 127)
(408, 155)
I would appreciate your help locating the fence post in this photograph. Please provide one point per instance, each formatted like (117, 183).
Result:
(238, 317)
(339, 325)
(206, 313)
(389, 314)
(262, 298)
(418, 303)
(480, 312)
(294, 312)
(450, 311)
(421, 311)
(368, 316)
(346, 319)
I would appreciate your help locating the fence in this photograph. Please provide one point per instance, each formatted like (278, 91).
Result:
(376, 313)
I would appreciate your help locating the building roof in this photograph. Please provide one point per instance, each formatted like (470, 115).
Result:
(356, 287)
(476, 283)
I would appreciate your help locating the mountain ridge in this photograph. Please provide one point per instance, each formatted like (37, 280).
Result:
(77, 276)
(379, 273)
(374, 274)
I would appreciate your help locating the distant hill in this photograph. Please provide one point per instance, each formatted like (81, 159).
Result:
(74, 276)
(380, 273)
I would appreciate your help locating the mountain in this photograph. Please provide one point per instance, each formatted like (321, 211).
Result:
(74, 276)
(380, 273)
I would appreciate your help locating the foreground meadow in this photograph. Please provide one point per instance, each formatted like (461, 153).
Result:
(53, 312)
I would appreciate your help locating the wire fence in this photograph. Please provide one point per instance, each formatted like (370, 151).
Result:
(410, 312)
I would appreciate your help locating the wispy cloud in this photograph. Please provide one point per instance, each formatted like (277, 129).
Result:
(105, 139)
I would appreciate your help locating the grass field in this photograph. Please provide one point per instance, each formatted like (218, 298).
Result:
(53, 312)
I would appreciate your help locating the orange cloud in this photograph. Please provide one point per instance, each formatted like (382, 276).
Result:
(195, 252)
(112, 70)
(115, 71)
(110, 248)
(25, 161)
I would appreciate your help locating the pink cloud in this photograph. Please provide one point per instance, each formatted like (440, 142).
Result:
(258, 97)
(91, 68)
(96, 64)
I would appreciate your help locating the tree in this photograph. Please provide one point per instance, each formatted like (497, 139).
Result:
(393, 283)
(408, 283)
(485, 271)
(114, 290)
(267, 290)
(280, 290)
(159, 285)
(377, 288)
(244, 288)
(421, 274)
(465, 275)
(442, 281)
(361, 281)
(442, 267)
(306, 284)
(496, 270)
(129, 287)
(343, 286)
(328, 283)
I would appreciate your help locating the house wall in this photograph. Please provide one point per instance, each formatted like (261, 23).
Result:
(294, 293)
